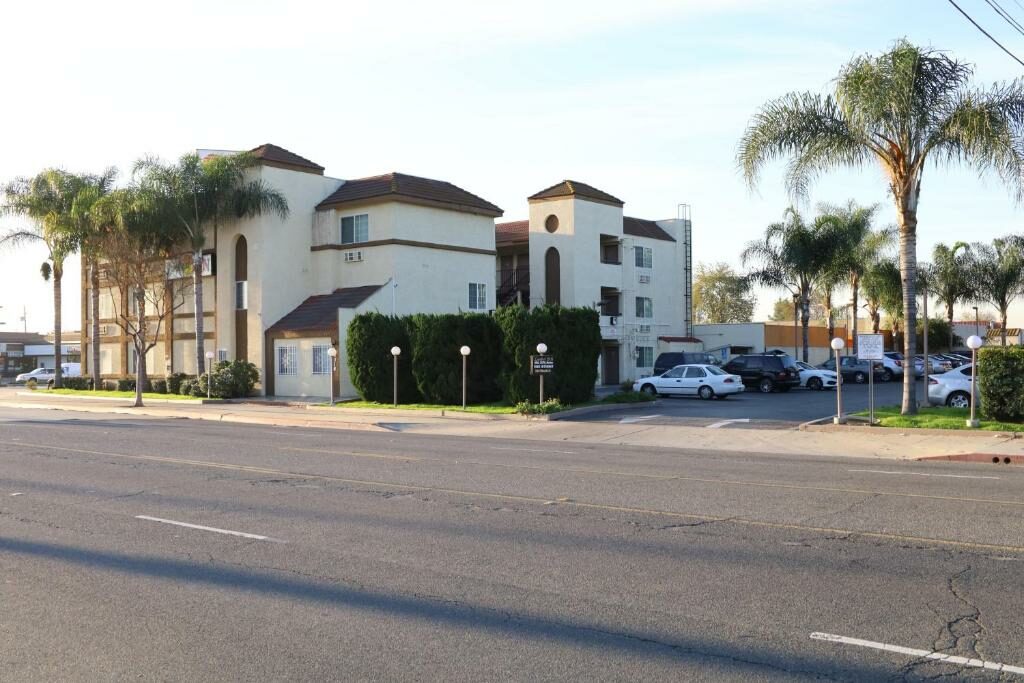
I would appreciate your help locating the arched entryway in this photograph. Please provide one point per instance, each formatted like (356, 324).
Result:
(552, 276)
(241, 299)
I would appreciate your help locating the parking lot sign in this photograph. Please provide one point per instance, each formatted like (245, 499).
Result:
(870, 347)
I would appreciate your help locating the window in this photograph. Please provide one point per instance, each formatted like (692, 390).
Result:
(712, 370)
(674, 373)
(321, 359)
(645, 356)
(241, 295)
(355, 229)
(477, 296)
(755, 363)
(644, 257)
(222, 355)
(695, 373)
(644, 307)
(286, 361)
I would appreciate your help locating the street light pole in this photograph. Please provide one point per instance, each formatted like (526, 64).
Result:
(542, 348)
(837, 345)
(333, 353)
(974, 343)
(977, 322)
(796, 326)
(209, 375)
(395, 353)
(465, 356)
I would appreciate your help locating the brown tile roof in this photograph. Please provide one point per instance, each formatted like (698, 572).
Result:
(321, 312)
(569, 188)
(22, 338)
(400, 185)
(512, 232)
(279, 155)
(640, 227)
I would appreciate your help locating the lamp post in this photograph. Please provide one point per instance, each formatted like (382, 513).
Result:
(333, 353)
(465, 356)
(973, 343)
(542, 348)
(209, 375)
(796, 326)
(837, 346)
(395, 353)
(977, 322)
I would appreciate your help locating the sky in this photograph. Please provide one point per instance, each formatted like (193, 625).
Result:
(645, 100)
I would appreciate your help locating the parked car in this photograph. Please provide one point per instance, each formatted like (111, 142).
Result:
(704, 381)
(936, 364)
(955, 359)
(766, 371)
(45, 376)
(815, 378)
(891, 369)
(666, 361)
(898, 358)
(853, 369)
(951, 388)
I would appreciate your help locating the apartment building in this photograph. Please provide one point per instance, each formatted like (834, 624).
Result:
(281, 293)
(578, 249)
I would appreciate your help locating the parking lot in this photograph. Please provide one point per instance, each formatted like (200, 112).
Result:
(754, 409)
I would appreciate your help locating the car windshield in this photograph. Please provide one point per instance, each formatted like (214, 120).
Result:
(804, 366)
(713, 370)
(787, 361)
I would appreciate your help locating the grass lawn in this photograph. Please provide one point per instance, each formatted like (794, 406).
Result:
(489, 408)
(114, 394)
(937, 418)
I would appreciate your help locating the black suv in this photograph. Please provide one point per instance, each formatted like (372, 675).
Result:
(667, 361)
(766, 371)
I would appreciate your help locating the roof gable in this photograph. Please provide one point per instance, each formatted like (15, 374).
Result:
(640, 227)
(402, 187)
(280, 157)
(320, 312)
(573, 188)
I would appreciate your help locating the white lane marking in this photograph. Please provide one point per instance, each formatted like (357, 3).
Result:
(633, 420)
(17, 494)
(229, 532)
(723, 423)
(913, 652)
(531, 450)
(928, 474)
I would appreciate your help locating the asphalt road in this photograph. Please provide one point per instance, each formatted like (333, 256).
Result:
(763, 411)
(369, 556)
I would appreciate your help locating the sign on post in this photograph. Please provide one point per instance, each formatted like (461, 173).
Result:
(542, 365)
(870, 347)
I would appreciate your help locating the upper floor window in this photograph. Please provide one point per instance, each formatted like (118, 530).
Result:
(645, 356)
(644, 257)
(644, 307)
(477, 296)
(355, 229)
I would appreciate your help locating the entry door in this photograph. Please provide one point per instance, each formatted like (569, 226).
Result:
(610, 359)
(693, 379)
(671, 382)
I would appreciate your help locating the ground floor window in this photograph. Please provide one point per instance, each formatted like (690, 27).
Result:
(645, 356)
(287, 361)
(321, 359)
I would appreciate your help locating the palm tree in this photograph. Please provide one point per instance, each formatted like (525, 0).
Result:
(950, 279)
(793, 256)
(900, 110)
(200, 193)
(882, 290)
(47, 200)
(997, 272)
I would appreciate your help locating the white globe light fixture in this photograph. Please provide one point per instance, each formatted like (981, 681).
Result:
(395, 351)
(465, 350)
(542, 348)
(974, 342)
(837, 345)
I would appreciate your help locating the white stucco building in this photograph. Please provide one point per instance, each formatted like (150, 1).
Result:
(281, 292)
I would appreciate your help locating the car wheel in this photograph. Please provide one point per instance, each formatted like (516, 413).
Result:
(649, 390)
(706, 393)
(815, 384)
(888, 376)
(959, 399)
(860, 377)
(766, 386)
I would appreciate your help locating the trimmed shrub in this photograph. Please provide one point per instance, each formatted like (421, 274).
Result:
(126, 384)
(110, 385)
(185, 388)
(437, 362)
(160, 386)
(551, 405)
(1001, 383)
(573, 337)
(174, 382)
(236, 378)
(78, 383)
(368, 350)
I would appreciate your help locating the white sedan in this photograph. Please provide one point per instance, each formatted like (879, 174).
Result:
(703, 381)
(952, 388)
(815, 378)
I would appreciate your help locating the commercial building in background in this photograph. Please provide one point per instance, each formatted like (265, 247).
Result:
(281, 292)
(26, 351)
(725, 340)
(578, 249)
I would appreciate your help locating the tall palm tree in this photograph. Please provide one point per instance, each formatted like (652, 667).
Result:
(882, 290)
(950, 278)
(201, 193)
(795, 256)
(900, 110)
(997, 271)
(46, 200)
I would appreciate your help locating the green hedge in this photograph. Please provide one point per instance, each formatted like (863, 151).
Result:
(227, 379)
(1001, 383)
(437, 361)
(368, 348)
(573, 337)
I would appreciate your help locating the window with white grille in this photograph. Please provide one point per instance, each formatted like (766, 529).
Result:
(645, 356)
(644, 257)
(287, 360)
(321, 359)
(644, 307)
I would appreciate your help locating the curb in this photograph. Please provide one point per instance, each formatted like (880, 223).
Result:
(588, 410)
(168, 401)
(400, 412)
(821, 426)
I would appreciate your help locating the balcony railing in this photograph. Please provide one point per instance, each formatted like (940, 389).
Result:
(512, 281)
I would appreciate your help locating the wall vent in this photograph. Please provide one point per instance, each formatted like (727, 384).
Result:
(353, 256)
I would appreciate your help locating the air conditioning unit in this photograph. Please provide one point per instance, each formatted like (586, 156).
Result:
(612, 320)
(105, 330)
(353, 256)
(644, 329)
(644, 279)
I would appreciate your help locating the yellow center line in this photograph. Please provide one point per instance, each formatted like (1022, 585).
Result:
(533, 499)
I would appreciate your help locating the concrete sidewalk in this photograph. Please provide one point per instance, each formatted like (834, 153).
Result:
(879, 443)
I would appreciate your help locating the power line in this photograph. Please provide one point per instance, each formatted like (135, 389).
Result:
(989, 35)
(1007, 17)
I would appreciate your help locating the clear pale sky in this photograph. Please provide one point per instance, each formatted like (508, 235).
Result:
(645, 100)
